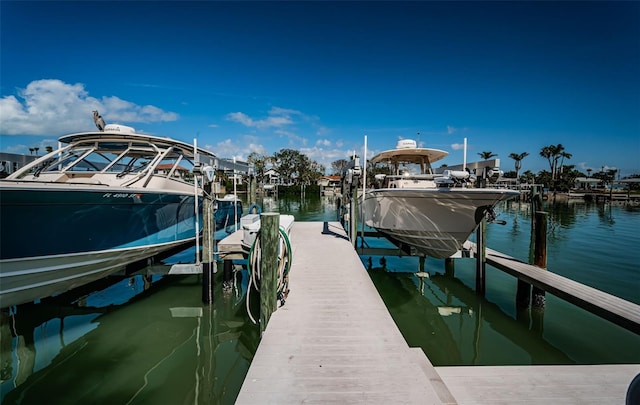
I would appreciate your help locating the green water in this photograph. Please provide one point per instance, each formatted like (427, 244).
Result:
(149, 340)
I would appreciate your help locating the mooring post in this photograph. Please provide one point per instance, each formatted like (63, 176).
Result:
(227, 273)
(252, 190)
(540, 255)
(449, 267)
(269, 224)
(353, 219)
(208, 230)
(480, 258)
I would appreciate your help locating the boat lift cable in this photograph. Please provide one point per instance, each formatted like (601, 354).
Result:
(284, 265)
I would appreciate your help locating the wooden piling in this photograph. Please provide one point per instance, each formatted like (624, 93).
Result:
(353, 220)
(449, 267)
(227, 272)
(481, 258)
(208, 230)
(269, 234)
(252, 190)
(540, 255)
(523, 292)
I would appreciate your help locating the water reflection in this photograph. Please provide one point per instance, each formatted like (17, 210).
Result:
(455, 326)
(158, 346)
(444, 316)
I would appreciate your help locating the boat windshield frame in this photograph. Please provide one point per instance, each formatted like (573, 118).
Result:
(120, 157)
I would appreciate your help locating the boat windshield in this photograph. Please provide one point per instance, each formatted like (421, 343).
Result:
(119, 158)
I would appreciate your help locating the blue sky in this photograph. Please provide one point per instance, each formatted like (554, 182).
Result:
(511, 77)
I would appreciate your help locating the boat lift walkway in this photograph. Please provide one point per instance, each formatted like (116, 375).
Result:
(335, 342)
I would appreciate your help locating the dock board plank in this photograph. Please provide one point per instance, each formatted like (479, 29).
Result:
(607, 306)
(334, 340)
(540, 385)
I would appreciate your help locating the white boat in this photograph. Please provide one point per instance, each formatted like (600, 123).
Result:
(429, 213)
(228, 211)
(104, 200)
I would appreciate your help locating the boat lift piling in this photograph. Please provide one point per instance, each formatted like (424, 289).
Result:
(208, 260)
(539, 255)
(481, 258)
(269, 229)
(350, 184)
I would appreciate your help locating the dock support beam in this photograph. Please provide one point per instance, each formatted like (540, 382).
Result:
(481, 259)
(540, 255)
(269, 224)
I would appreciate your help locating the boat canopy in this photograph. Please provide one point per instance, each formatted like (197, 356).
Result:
(406, 155)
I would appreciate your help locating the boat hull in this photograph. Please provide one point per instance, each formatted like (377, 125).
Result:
(54, 238)
(436, 222)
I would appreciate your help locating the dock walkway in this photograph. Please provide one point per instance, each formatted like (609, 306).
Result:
(334, 342)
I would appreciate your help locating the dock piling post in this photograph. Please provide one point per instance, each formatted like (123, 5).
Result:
(353, 220)
(252, 190)
(540, 255)
(449, 267)
(269, 225)
(208, 230)
(227, 273)
(480, 258)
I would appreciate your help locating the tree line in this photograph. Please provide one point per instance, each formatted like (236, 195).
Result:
(561, 176)
(294, 167)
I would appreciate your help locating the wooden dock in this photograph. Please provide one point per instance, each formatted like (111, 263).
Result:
(607, 306)
(335, 342)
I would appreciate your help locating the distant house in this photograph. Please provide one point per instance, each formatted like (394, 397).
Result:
(329, 184)
(586, 183)
(329, 181)
(165, 168)
(11, 162)
(271, 177)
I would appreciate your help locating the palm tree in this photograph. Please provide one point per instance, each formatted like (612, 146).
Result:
(564, 155)
(36, 149)
(31, 151)
(487, 155)
(518, 158)
(552, 153)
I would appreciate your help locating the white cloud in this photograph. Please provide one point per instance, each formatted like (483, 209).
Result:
(451, 130)
(325, 156)
(323, 131)
(323, 142)
(277, 118)
(457, 146)
(239, 150)
(284, 111)
(51, 106)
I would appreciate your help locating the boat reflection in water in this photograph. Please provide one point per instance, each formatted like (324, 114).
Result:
(145, 339)
(455, 326)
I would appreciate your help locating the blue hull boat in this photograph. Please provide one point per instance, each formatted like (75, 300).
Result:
(101, 202)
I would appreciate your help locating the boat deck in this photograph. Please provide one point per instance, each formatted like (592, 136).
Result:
(335, 342)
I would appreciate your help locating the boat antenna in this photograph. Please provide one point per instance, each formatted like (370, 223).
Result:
(97, 119)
